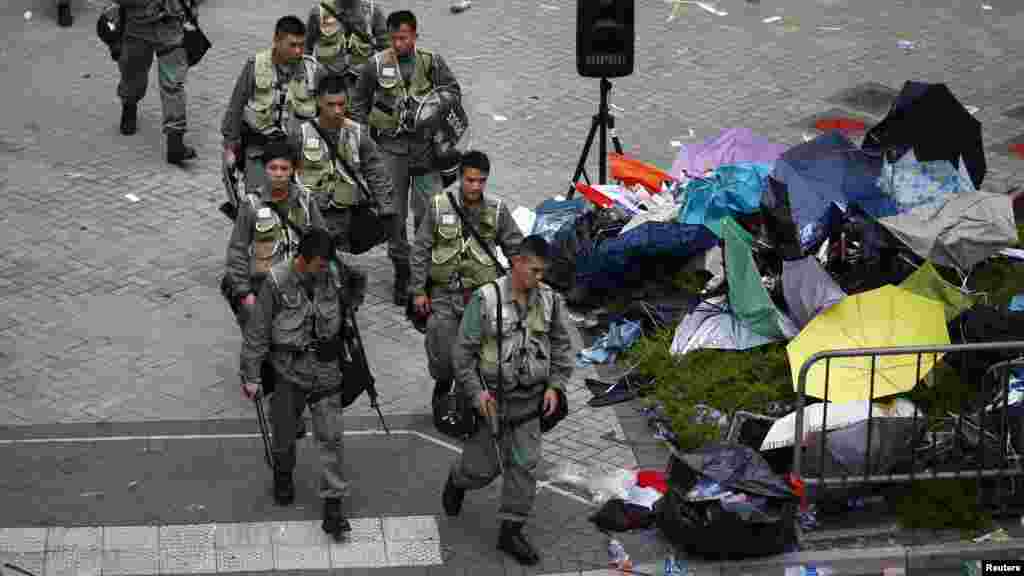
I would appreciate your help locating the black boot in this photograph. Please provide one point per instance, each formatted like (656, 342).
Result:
(129, 119)
(64, 19)
(514, 543)
(177, 151)
(334, 522)
(401, 284)
(452, 497)
(284, 488)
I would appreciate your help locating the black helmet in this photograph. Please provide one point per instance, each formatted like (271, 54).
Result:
(110, 29)
(454, 414)
(441, 119)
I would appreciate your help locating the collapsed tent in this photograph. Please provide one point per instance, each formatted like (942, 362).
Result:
(930, 120)
(732, 146)
(614, 263)
(958, 231)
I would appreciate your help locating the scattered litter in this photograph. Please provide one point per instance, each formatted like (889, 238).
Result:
(679, 7)
(676, 144)
(96, 494)
(195, 507)
(709, 8)
(675, 566)
(830, 28)
(28, 14)
(986, 7)
(1017, 149)
(499, 118)
(808, 570)
(549, 7)
(133, 484)
(808, 137)
(999, 535)
(618, 108)
(131, 197)
(467, 57)
(772, 19)
(972, 110)
(17, 569)
(906, 45)
(73, 175)
(86, 75)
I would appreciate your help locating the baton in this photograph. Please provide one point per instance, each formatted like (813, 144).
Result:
(261, 417)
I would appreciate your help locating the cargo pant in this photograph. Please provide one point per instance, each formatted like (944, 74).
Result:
(286, 407)
(478, 465)
(138, 48)
(413, 191)
(446, 310)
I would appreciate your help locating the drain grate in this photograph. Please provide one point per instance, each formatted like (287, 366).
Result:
(870, 97)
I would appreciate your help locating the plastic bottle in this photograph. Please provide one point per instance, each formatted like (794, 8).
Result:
(617, 557)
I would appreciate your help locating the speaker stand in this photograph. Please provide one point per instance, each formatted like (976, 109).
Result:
(604, 122)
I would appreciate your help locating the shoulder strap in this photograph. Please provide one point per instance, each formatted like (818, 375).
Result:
(499, 325)
(476, 235)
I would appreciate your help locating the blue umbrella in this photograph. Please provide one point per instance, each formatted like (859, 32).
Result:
(826, 174)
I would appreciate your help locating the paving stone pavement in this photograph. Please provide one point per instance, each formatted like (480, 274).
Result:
(109, 308)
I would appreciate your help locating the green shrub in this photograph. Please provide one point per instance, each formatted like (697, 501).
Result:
(943, 503)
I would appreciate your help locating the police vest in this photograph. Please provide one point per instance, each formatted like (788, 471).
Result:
(456, 251)
(275, 241)
(525, 341)
(273, 103)
(393, 95)
(329, 49)
(320, 174)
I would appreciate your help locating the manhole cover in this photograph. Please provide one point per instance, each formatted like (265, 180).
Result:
(870, 97)
(1015, 113)
(835, 119)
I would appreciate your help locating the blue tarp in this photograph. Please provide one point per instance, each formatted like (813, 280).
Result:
(826, 172)
(731, 189)
(608, 265)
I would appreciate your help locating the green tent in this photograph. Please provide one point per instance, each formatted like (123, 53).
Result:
(747, 295)
(927, 282)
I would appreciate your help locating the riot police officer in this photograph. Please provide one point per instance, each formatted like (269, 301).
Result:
(155, 28)
(344, 34)
(385, 98)
(334, 189)
(297, 324)
(274, 92)
(447, 257)
(530, 395)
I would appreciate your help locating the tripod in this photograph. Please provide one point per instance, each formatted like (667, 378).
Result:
(606, 122)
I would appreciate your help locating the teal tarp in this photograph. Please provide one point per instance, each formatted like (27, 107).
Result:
(747, 296)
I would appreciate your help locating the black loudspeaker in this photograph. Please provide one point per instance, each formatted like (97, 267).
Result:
(605, 38)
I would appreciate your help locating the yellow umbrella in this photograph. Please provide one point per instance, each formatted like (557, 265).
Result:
(887, 316)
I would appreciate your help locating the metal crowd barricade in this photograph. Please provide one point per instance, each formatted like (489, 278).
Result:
(1009, 466)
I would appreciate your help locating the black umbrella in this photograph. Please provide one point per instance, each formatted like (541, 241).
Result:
(929, 119)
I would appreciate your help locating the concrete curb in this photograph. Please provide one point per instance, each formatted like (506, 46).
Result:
(894, 560)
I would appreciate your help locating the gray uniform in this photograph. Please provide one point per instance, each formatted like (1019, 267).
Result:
(233, 123)
(239, 254)
(155, 27)
(544, 361)
(353, 17)
(371, 170)
(447, 302)
(410, 158)
(288, 318)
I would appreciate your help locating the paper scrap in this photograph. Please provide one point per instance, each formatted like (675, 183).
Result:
(676, 144)
(692, 133)
(906, 44)
(712, 9)
(772, 19)
(972, 109)
(28, 14)
(830, 28)
(617, 108)
(499, 118)
(549, 7)
(986, 7)
(807, 137)
(131, 197)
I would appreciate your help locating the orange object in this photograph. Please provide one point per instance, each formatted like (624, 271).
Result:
(840, 124)
(1018, 149)
(594, 196)
(797, 484)
(630, 171)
